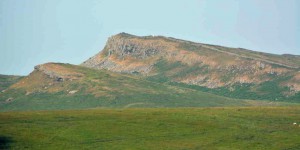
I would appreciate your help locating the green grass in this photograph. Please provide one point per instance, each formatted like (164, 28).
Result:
(181, 128)
(170, 70)
(269, 90)
(60, 101)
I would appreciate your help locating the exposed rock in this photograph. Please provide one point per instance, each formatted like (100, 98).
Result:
(57, 73)
(28, 93)
(261, 65)
(9, 100)
(129, 47)
(73, 92)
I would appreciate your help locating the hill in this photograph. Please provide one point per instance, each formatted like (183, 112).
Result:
(65, 86)
(231, 72)
(157, 71)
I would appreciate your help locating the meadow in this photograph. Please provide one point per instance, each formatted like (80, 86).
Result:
(153, 128)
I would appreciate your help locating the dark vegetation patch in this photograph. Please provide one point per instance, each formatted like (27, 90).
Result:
(5, 142)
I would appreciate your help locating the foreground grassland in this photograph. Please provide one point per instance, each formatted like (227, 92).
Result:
(180, 128)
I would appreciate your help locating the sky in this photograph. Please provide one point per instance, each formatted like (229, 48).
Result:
(34, 32)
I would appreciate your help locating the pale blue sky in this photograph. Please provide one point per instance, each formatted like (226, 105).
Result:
(70, 31)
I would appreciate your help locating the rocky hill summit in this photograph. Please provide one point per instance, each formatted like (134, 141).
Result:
(166, 59)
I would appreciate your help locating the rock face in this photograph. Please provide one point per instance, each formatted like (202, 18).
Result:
(123, 49)
(174, 60)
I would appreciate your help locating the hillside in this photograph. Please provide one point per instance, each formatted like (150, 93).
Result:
(231, 72)
(7, 80)
(64, 86)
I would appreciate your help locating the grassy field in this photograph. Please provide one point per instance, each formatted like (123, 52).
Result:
(176, 128)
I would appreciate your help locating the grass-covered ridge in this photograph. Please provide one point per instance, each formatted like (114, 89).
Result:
(81, 87)
(180, 128)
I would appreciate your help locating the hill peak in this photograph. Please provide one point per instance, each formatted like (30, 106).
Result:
(128, 35)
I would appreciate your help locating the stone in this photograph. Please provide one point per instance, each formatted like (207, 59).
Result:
(28, 93)
(73, 92)
(9, 100)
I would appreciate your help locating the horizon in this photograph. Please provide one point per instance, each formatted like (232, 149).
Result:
(37, 32)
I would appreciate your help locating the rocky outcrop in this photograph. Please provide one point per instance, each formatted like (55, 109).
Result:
(123, 49)
(57, 72)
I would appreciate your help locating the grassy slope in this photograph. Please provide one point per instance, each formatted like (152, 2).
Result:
(6, 81)
(181, 128)
(290, 60)
(100, 88)
(285, 59)
(270, 90)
